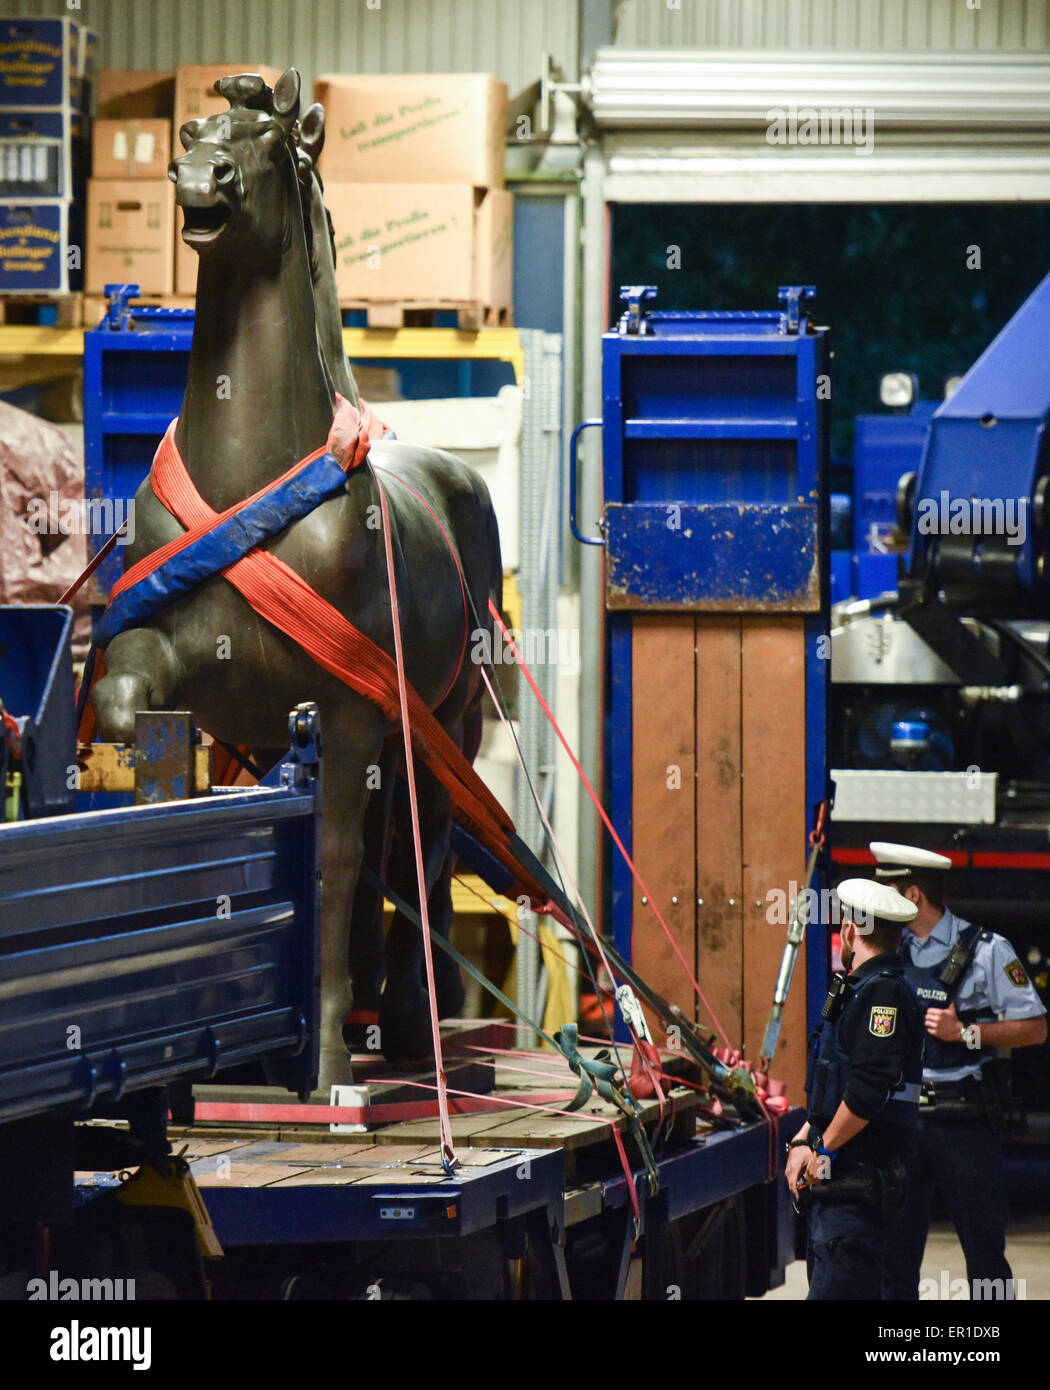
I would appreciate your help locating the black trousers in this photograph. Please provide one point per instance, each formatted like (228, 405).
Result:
(846, 1247)
(962, 1161)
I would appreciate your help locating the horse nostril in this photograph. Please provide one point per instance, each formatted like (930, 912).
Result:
(224, 171)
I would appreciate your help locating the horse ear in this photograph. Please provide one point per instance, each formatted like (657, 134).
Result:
(311, 133)
(286, 98)
(189, 133)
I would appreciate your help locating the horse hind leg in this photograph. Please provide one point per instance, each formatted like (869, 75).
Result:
(366, 952)
(404, 1015)
(353, 734)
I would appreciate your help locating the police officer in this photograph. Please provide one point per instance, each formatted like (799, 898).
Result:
(976, 997)
(846, 1164)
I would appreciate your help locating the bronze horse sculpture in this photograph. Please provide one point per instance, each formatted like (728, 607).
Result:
(259, 396)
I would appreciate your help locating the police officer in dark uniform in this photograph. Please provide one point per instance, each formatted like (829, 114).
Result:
(846, 1165)
(976, 996)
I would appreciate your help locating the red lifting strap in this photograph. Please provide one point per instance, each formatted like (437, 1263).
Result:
(285, 599)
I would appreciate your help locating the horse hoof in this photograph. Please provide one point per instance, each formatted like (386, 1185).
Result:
(406, 1037)
(451, 996)
(334, 1069)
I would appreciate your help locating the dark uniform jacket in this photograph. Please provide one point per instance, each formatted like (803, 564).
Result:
(870, 1055)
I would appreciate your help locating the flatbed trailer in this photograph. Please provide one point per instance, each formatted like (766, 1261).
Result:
(146, 950)
(374, 1215)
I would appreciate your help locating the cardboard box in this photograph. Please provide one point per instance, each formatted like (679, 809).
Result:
(414, 128)
(130, 224)
(40, 247)
(87, 68)
(44, 62)
(126, 94)
(194, 95)
(130, 149)
(42, 154)
(427, 243)
(495, 262)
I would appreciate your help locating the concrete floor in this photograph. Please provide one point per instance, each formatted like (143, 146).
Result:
(1027, 1249)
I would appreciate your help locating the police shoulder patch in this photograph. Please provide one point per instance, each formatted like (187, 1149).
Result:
(1016, 974)
(883, 1021)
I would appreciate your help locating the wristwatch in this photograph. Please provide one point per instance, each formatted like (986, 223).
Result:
(796, 1144)
(816, 1143)
(970, 1036)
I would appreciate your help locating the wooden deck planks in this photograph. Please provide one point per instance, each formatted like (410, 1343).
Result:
(774, 827)
(664, 813)
(719, 845)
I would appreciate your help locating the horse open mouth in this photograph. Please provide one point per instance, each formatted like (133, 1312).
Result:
(204, 223)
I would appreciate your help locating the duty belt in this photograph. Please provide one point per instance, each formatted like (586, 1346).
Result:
(866, 1182)
(959, 1100)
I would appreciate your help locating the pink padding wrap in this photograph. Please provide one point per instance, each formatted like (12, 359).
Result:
(352, 432)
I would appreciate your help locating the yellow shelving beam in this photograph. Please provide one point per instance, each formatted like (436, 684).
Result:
(408, 344)
(456, 344)
(29, 340)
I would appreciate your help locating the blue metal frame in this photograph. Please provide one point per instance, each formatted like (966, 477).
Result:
(135, 366)
(144, 944)
(719, 417)
(36, 686)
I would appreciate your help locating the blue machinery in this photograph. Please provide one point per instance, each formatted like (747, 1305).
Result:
(950, 670)
(713, 447)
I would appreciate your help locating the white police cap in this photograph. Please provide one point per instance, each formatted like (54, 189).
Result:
(864, 898)
(895, 861)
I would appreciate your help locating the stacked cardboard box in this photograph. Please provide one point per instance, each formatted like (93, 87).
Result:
(413, 176)
(134, 226)
(131, 200)
(46, 87)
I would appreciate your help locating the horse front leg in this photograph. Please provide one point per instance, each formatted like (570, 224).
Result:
(141, 673)
(353, 739)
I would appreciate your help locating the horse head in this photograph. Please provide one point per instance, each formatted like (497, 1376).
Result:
(233, 181)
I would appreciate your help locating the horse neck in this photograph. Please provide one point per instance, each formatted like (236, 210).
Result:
(257, 396)
(326, 302)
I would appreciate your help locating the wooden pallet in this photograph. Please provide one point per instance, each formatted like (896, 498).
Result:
(34, 310)
(422, 314)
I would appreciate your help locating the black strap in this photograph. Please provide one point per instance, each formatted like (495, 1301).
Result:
(958, 960)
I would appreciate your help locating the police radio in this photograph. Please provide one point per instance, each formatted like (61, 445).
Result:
(956, 961)
(836, 998)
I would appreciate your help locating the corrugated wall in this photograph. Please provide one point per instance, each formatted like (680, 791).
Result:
(861, 24)
(505, 37)
(508, 37)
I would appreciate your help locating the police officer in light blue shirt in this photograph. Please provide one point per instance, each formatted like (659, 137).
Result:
(977, 998)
